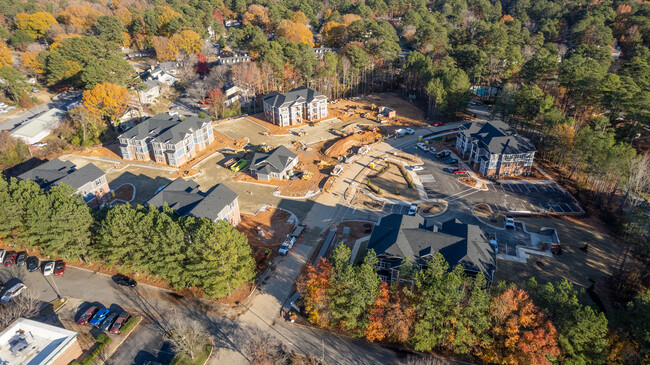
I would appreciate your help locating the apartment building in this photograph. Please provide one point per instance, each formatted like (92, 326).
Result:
(294, 107)
(166, 139)
(495, 149)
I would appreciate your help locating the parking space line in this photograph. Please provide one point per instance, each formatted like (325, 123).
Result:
(570, 209)
(560, 208)
(526, 186)
(533, 186)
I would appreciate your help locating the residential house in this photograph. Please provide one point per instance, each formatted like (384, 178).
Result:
(164, 72)
(165, 138)
(320, 51)
(291, 108)
(273, 165)
(231, 58)
(35, 343)
(185, 198)
(150, 91)
(234, 93)
(495, 149)
(397, 237)
(35, 129)
(89, 181)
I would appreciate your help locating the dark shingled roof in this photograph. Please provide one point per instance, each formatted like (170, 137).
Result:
(274, 161)
(165, 128)
(57, 172)
(299, 94)
(497, 137)
(185, 198)
(404, 236)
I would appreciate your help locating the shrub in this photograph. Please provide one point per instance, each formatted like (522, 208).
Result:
(128, 325)
(103, 338)
(406, 176)
(372, 187)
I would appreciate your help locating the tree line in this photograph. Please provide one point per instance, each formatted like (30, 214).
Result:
(183, 251)
(443, 310)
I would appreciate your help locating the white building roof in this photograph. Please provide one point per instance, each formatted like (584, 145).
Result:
(27, 342)
(39, 127)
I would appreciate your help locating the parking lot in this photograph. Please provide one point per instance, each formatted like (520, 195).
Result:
(239, 128)
(511, 197)
(390, 208)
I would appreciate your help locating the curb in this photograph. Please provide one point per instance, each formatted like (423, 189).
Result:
(123, 340)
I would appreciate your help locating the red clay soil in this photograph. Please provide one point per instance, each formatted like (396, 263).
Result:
(342, 146)
(123, 192)
(107, 150)
(274, 227)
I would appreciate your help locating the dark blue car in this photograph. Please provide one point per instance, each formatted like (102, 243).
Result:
(108, 322)
(99, 317)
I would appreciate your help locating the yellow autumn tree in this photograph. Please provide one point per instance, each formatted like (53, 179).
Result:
(82, 16)
(35, 24)
(59, 38)
(126, 40)
(333, 33)
(350, 18)
(187, 41)
(257, 15)
(125, 16)
(167, 15)
(106, 101)
(163, 50)
(5, 55)
(299, 17)
(30, 61)
(294, 32)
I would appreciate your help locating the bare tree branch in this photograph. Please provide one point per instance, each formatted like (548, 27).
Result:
(264, 349)
(188, 337)
(25, 305)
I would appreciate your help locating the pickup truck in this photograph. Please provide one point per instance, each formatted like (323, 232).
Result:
(287, 245)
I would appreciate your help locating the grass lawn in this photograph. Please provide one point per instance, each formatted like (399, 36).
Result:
(200, 359)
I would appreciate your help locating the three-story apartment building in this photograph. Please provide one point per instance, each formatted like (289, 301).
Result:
(495, 149)
(294, 107)
(165, 138)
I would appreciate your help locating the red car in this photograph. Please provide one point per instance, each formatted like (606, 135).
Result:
(119, 322)
(10, 258)
(59, 268)
(460, 171)
(438, 124)
(87, 315)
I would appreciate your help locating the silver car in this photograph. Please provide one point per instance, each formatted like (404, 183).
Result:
(13, 292)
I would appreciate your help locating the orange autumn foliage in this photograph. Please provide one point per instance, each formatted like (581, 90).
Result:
(30, 61)
(522, 334)
(313, 285)
(82, 16)
(299, 17)
(5, 55)
(168, 14)
(391, 316)
(294, 32)
(187, 41)
(106, 101)
(35, 24)
(125, 16)
(506, 18)
(164, 51)
(257, 15)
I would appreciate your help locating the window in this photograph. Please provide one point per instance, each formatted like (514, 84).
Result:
(98, 182)
(384, 265)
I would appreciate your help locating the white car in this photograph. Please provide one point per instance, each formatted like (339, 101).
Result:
(13, 292)
(510, 222)
(409, 131)
(287, 245)
(417, 168)
(422, 146)
(48, 268)
(413, 209)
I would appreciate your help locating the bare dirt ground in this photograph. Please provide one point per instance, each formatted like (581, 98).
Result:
(407, 113)
(220, 142)
(485, 213)
(392, 183)
(343, 145)
(266, 231)
(577, 266)
(361, 199)
(356, 230)
(107, 150)
(311, 160)
(123, 192)
(430, 208)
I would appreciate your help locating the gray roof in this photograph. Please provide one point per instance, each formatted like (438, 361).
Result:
(57, 172)
(165, 128)
(185, 198)
(150, 84)
(402, 236)
(168, 66)
(298, 95)
(274, 161)
(497, 137)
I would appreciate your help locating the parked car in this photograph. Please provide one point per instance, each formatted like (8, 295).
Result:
(20, 258)
(2, 285)
(460, 171)
(438, 124)
(417, 168)
(108, 322)
(59, 268)
(10, 258)
(413, 209)
(510, 222)
(87, 315)
(119, 322)
(13, 292)
(2, 255)
(409, 131)
(99, 317)
(125, 281)
(287, 245)
(451, 161)
(32, 263)
(443, 154)
(48, 268)
(422, 146)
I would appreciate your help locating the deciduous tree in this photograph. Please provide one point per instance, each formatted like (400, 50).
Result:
(5, 55)
(82, 16)
(313, 285)
(35, 24)
(106, 101)
(298, 33)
